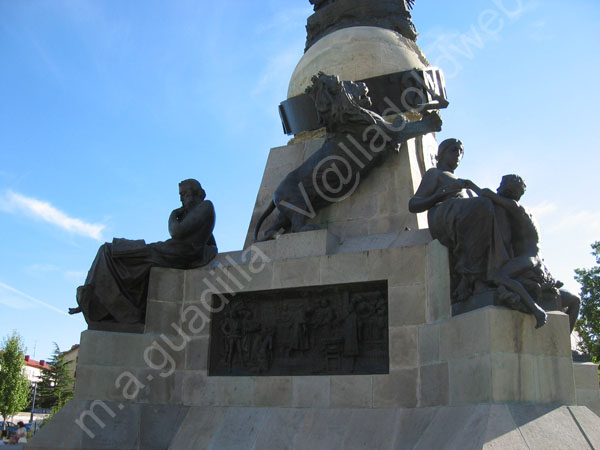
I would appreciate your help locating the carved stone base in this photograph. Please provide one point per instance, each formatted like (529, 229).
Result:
(379, 204)
(116, 327)
(586, 384)
(185, 428)
(154, 391)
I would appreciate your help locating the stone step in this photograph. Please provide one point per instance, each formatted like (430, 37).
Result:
(587, 386)
(179, 428)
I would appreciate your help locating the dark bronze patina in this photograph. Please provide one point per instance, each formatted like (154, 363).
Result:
(339, 329)
(357, 141)
(113, 297)
(334, 15)
(493, 241)
(408, 91)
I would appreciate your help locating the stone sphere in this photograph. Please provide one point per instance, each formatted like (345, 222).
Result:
(357, 53)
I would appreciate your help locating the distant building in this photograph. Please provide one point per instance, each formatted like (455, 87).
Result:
(72, 355)
(33, 369)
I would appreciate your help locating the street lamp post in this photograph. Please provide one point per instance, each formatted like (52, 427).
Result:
(33, 402)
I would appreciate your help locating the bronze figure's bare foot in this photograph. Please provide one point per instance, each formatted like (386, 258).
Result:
(76, 310)
(541, 317)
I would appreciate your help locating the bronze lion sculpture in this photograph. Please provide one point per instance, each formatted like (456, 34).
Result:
(357, 140)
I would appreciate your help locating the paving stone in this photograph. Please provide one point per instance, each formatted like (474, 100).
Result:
(239, 429)
(456, 428)
(125, 419)
(280, 429)
(411, 425)
(548, 427)
(588, 422)
(198, 428)
(159, 424)
(502, 432)
(323, 429)
(53, 433)
(370, 429)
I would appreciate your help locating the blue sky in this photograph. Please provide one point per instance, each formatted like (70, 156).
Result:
(107, 105)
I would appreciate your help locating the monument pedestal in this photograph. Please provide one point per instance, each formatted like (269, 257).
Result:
(484, 379)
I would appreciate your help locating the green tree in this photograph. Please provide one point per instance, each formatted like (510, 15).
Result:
(56, 384)
(14, 386)
(588, 325)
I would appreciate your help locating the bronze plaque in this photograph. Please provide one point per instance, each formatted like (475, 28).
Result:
(321, 330)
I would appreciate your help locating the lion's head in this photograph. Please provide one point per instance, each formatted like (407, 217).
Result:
(341, 105)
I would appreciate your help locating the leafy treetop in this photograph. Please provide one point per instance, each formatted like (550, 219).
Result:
(588, 325)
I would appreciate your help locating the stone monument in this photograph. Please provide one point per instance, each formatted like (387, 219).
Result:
(114, 295)
(338, 333)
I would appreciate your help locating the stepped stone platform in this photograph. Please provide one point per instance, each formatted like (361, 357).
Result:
(474, 427)
(484, 379)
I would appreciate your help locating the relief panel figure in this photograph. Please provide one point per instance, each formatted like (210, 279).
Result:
(302, 331)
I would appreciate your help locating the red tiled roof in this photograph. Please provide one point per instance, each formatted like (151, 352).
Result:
(36, 364)
(33, 363)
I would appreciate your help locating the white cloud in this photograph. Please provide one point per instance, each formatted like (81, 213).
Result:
(577, 221)
(543, 209)
(16, 299)
(42, 268)
(13, 202)
(278, 68)
(76, 275)
(284, 19)
(13, 301)
(540, 32)
(566, 235)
